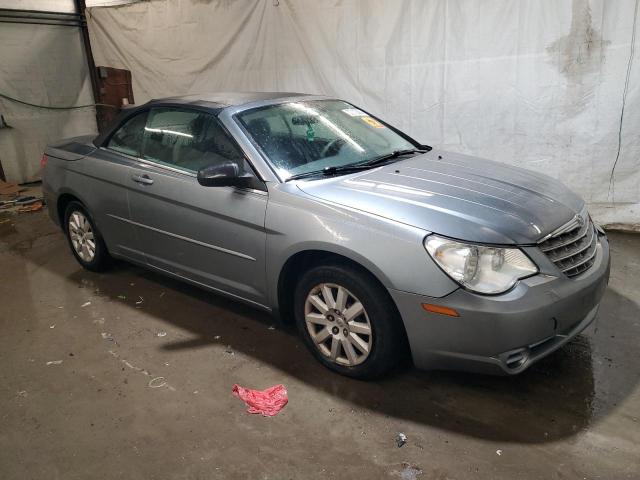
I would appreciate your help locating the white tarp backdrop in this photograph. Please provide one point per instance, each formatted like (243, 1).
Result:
(66, 6)
(43, 65)
(536, 83)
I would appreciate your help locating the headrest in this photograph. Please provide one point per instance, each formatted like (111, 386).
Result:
(259, 127)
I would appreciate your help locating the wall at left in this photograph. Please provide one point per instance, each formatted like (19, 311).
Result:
(44, 65)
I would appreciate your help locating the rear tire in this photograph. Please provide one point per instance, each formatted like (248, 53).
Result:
(349, 322)
(84, 238)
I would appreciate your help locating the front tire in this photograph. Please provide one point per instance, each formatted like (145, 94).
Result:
(349, 322)
(84, 238)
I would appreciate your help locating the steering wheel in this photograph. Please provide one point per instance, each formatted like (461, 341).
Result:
(337, 142)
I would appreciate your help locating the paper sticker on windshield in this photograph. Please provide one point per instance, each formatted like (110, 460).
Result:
(372, 121)
(354, 112)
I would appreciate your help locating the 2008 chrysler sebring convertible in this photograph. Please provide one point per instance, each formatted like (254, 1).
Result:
(377, 246)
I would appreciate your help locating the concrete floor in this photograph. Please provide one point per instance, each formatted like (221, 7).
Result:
(141, 387)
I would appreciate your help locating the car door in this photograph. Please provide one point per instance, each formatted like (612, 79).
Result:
(106, 181)
(213, 236)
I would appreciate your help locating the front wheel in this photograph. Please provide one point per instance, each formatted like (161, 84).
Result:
(349, 322)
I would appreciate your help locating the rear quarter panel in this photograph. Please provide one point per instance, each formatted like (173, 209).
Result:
(97, 180)
(60, 156)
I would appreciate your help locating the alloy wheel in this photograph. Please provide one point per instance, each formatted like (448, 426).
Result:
(81, 235)
(338, 324)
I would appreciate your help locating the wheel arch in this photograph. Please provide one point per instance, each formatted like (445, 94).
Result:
(64, 199)
(305, 259)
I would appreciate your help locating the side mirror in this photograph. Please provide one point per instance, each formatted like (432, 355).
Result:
(226, 174)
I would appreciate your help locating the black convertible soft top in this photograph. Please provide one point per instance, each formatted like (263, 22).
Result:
(212, 102)
(229, 99)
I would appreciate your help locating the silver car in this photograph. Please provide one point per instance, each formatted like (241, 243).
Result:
(379, 248)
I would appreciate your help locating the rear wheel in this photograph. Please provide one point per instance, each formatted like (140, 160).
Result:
(84, 238)
(348, 321)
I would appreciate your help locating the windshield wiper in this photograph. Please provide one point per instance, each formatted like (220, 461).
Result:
(328, 171)
(391, 156)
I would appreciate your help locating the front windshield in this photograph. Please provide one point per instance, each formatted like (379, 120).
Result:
(309, 136)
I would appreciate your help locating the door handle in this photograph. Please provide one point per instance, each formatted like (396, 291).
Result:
(142, 179)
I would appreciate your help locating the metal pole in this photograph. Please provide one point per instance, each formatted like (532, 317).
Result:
(93, 74)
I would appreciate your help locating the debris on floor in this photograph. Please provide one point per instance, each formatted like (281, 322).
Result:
(25, 200)
(31, 207)
(401, 439)
(20, 198)
(267, 402)
(498, 452)
(408, 472)
(161, 334)
(27, 203)
(157, 382)
(4, 204)
(54, 362)
(154, 382)
(9, 188)
(86, 304)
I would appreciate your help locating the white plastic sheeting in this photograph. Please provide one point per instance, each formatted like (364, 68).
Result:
(43, 65)
(66, 6)
(536, 83)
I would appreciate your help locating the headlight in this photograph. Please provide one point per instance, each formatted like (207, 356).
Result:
(481, 269)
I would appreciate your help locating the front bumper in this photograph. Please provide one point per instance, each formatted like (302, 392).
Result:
(505, 333)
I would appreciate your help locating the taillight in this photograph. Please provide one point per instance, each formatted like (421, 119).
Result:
(43, 160)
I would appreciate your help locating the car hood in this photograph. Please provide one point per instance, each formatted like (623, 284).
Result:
(458, 196)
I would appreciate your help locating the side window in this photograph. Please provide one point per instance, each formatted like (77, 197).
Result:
(128, 138)
(188, 140)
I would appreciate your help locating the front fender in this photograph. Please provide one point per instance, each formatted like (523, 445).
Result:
(338, 249)
(393, 252)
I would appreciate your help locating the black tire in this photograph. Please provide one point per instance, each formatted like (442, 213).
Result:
(101, 258)
(388, 340)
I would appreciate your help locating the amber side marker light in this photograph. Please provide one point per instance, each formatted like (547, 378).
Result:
(439, 309)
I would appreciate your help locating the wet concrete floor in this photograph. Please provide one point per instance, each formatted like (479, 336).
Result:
(128, 374)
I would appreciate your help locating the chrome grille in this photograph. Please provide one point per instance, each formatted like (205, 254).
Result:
(572, 249)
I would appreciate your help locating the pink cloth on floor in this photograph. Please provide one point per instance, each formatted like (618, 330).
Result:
(267, 402)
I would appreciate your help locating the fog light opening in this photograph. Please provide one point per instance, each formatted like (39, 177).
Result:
(517, 358)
